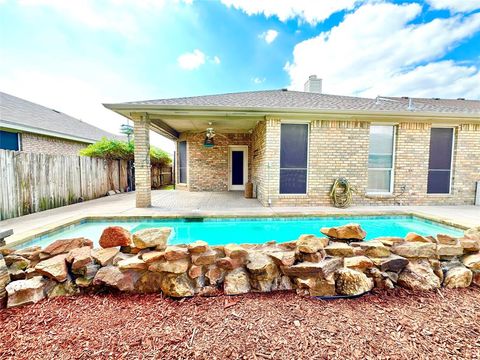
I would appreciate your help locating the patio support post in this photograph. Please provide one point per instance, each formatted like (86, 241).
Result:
(143, 184)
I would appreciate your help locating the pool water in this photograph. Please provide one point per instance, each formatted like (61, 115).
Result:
(220, 231)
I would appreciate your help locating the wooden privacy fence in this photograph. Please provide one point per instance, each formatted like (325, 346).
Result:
(161, 176)
(31, 182)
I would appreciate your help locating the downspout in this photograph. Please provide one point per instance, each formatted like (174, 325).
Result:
(269, 200)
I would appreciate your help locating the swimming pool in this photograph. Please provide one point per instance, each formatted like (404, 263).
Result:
(220, 231)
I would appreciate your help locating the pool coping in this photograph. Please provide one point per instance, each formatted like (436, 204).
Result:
(15, 240)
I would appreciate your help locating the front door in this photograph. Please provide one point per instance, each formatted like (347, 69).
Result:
(238, 174)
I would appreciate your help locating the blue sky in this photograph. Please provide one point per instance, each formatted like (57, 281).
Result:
(74, 55)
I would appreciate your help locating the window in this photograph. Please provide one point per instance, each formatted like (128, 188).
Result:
(293, 158)
(182, 162)
(9, 140)
(440, 161)
(380, 159)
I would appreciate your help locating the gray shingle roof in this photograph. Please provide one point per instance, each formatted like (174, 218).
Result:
(297, 100)
(20, 112)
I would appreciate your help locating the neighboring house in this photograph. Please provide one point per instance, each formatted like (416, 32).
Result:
(292, 145)
(30, 127)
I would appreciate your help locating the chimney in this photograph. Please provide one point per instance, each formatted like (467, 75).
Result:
(313, 84)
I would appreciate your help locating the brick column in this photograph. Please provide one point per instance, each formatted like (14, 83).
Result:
(143, 180)
(272, 157)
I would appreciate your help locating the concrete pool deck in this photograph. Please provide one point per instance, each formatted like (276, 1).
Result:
(176, 203)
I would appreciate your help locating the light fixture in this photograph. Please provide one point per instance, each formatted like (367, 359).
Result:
(210, 134)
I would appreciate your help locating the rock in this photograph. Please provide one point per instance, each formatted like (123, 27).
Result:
(373, 248)
(17, 262)
(104, 257)
(352, 282)
(4, 281)
(24, 292)
(415, 250)
(31, 252)
(317, 286)
(228, 263)
(310, 244)
(389, 240)
(112, 276)
(314, 257)
(79, 259)
(197, 247)
(149, 282)
(446, 239)
(473, 233)
(205, 258)
(393, 263)
(381, 280)
(324, 268)
(444, 251)
(418, 275)
(339, 249)
(133, 263)
(55, 268)
(175, 266)
(472, 261)
(458, 277)
(414, 237)
(152, 238)
(87, 278)
(66, 288)
(476, 278)
(358, 263)
(114, 236)
(16, 274)
(195, 271)
(175, 253)
(177, 285)
(264, 273)
(64, 246)
(235, 251)
(236, 282)
(31, 272)
(437, 268)
(345, 232)
(130, 250)
(152, 256)
(215, 275)
(469, 245)
(119, 257)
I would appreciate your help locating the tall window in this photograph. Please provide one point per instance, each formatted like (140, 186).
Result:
(9, 140)
(182, 162)
(293, 158)
(440, 162)
(380, 158)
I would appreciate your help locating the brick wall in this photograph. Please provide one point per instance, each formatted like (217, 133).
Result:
(50, 145)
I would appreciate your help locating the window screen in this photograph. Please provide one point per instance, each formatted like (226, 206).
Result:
(8, 140)
(293, 158)
(182, 162)
(440, 161)
(380, 158)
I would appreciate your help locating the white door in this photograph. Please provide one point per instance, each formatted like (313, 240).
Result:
(238, 167)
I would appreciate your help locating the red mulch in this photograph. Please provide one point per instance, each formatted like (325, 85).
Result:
(391, 325)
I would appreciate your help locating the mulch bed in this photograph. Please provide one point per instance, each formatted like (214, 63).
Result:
(397, 324)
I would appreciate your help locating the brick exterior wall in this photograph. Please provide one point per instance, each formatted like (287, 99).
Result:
(339, 148)
(36, 143)
(141, 132)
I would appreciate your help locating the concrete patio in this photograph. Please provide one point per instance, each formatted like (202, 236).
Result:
(183, 203)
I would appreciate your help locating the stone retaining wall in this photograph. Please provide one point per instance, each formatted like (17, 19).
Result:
(340, 263)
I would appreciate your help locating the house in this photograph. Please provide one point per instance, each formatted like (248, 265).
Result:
(292, 145)
(30, 127)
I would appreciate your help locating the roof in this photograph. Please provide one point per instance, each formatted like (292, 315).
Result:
(298, 100)
(20, 114)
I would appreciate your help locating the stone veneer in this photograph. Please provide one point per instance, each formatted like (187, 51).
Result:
(37, 143)
(339, 148)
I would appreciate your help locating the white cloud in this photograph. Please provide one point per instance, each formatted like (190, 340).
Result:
(191, 61)
(257, 80)
(310, 11)
(269, 36)
(455, 5)
(378, 50)
(216, 60)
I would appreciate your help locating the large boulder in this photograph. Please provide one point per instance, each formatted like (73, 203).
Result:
(215, 275)
(414, 237)
(152, 237)
(339, 249)
(104, 257)
(458, 277)
(177, 285)
(393, 263)
(149, 282)
(23, 292)
(316, 286)
(352, 282)
(236, 282)
(64, 246)
(360, 263)
(324, 268)
(4, 281)
(197, 247)
(415, 250)
(418, 275)
(310, 244)
(87, 277)
(264, 273)
(345, 232)
(114, 236)
(112, 276)
(66, 288)
(472, 261)
(175, 266)
(79, 259)
(205, 258)
(55, 268)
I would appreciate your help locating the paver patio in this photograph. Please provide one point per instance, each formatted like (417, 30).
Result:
(182, 203)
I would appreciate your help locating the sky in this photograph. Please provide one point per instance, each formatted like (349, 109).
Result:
(75, 55)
